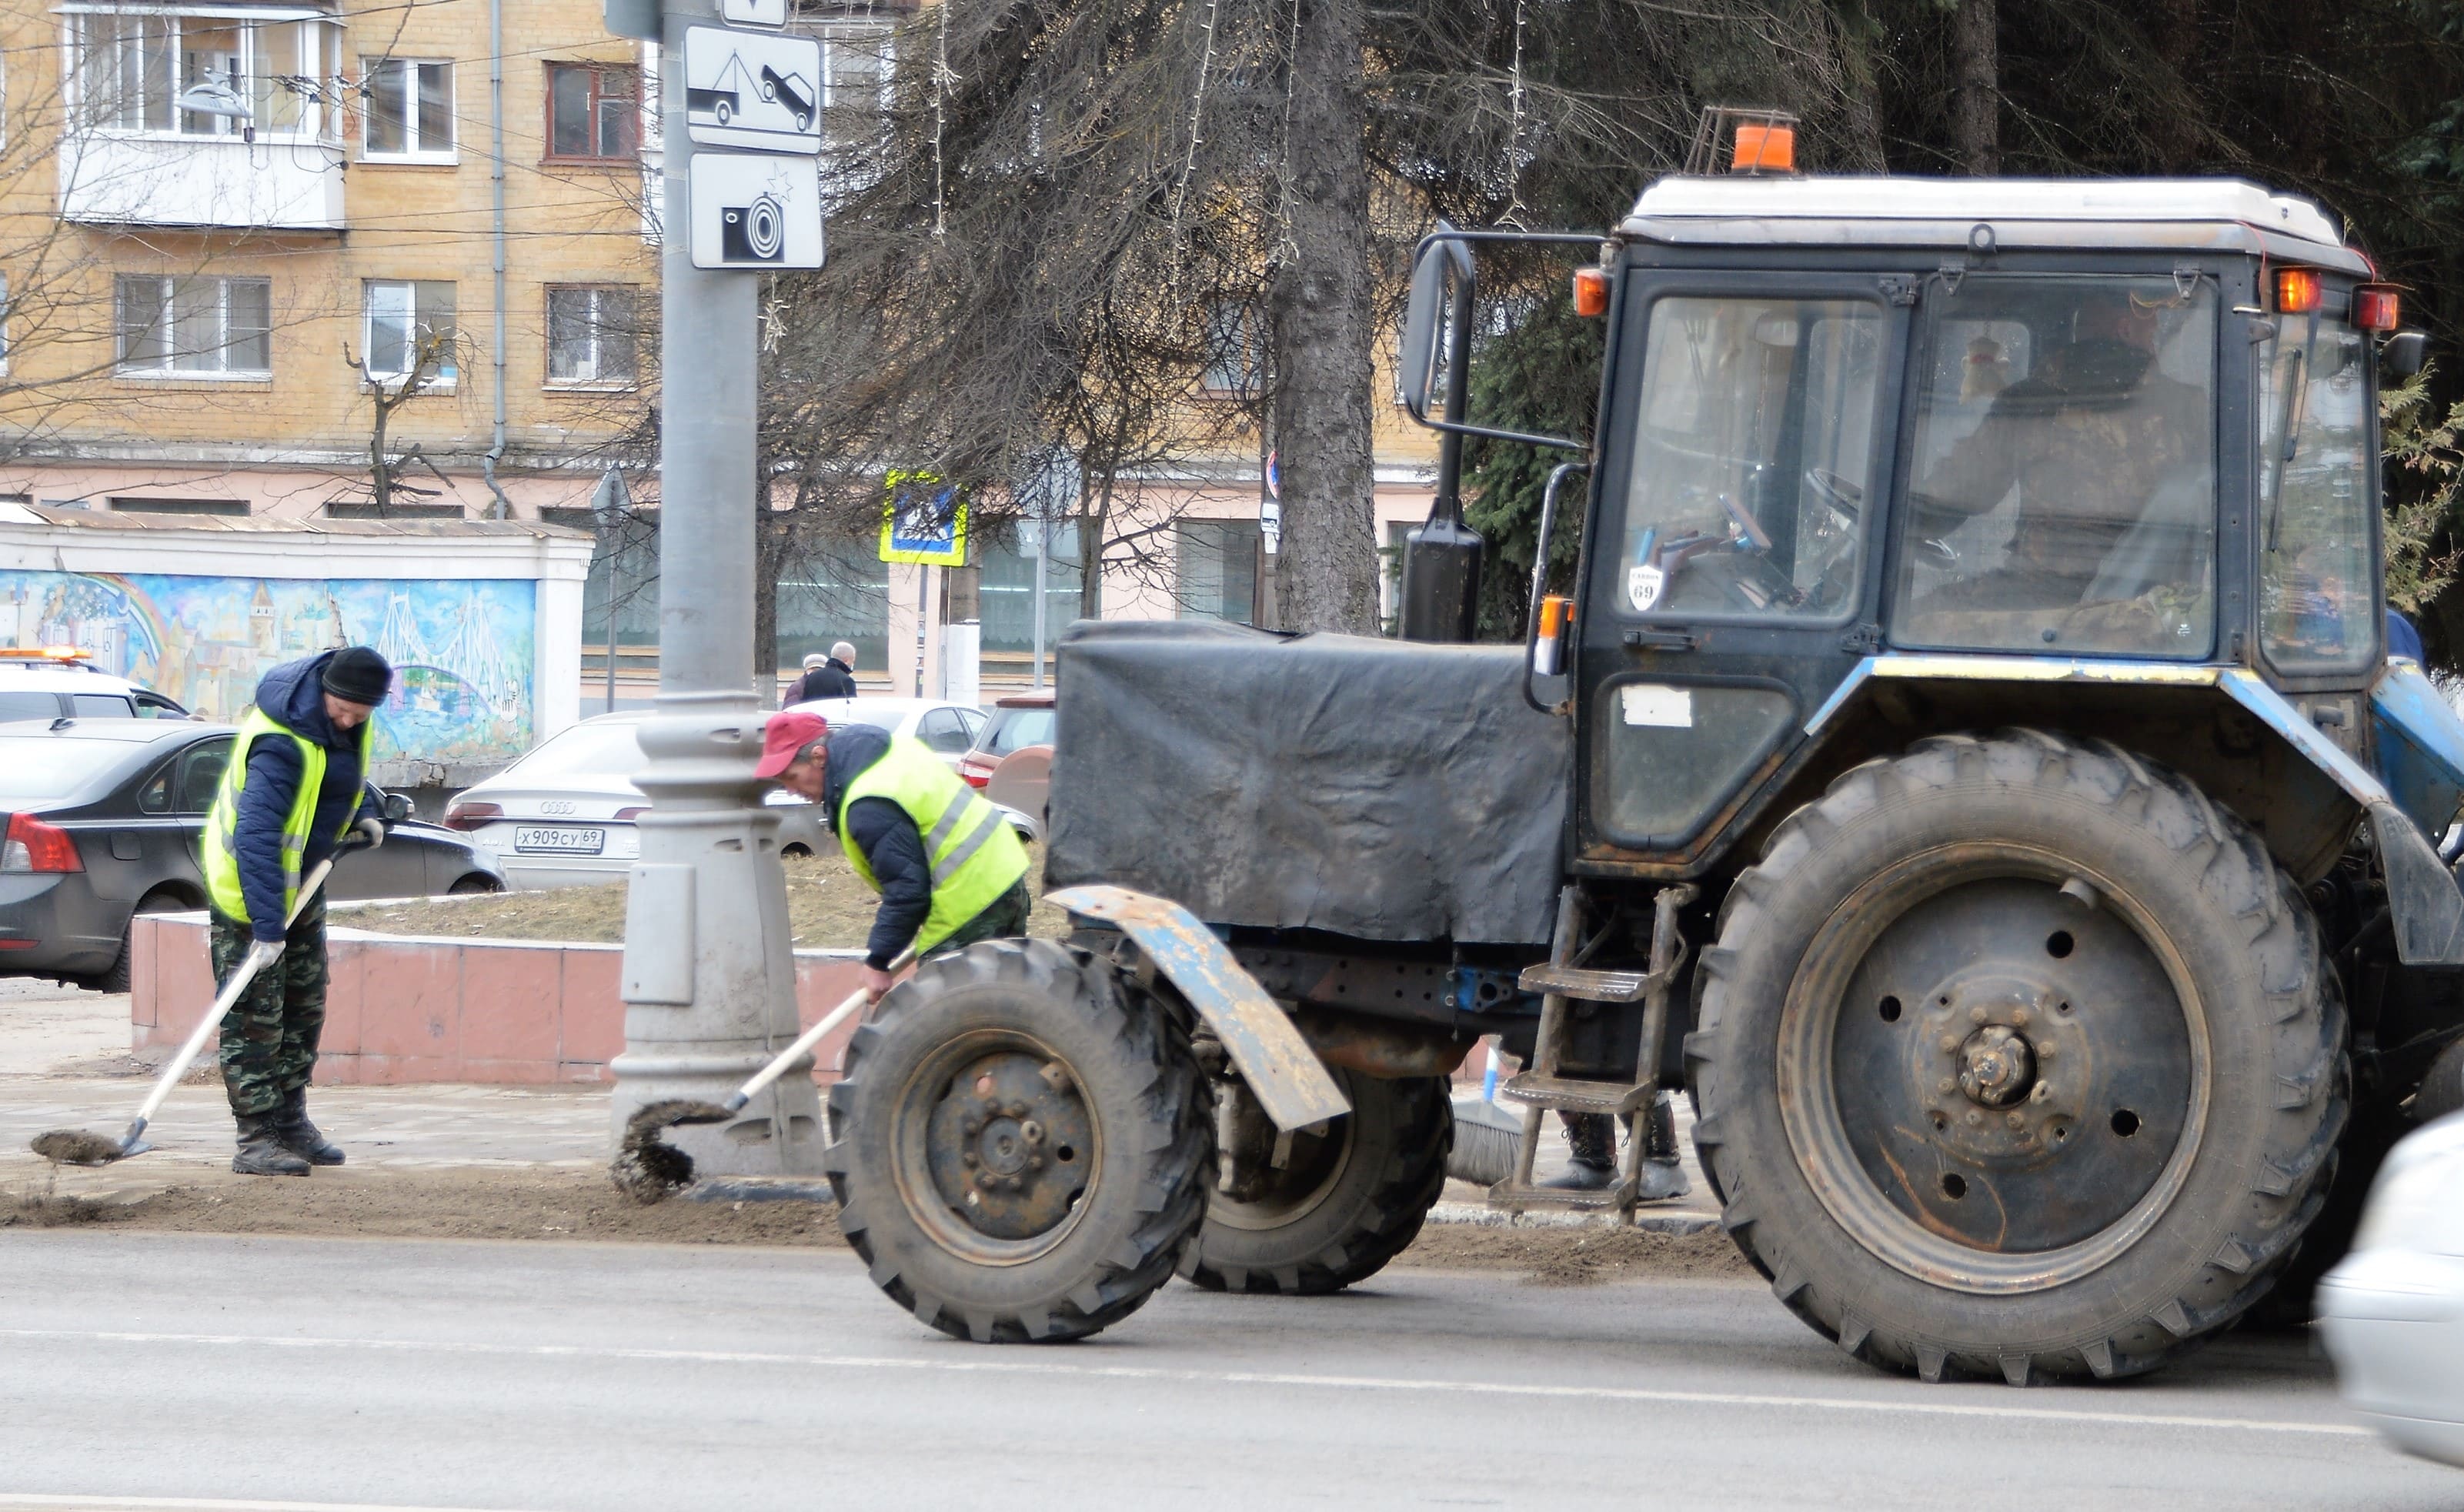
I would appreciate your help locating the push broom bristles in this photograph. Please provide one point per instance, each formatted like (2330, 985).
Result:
(74, 1147)
(647, 1167)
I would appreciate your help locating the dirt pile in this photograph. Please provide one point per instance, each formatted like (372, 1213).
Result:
(1554, 1256)
(829, 907)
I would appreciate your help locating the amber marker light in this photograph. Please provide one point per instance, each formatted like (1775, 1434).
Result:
(2296, 290)
(1765, 147)
(1591, 292)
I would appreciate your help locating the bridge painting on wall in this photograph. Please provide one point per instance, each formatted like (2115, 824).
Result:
(464, 650)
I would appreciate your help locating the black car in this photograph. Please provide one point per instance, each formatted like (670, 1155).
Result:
(99, 820)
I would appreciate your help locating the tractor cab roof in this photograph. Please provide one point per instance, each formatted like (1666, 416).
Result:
(1981, 215)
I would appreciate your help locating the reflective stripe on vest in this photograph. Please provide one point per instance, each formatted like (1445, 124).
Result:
(975, 855)
(220, 860)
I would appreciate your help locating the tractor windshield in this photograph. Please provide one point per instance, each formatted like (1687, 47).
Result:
(2063, 483)
(2316, 509)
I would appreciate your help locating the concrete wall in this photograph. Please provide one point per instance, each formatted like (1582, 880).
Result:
(406, 1008)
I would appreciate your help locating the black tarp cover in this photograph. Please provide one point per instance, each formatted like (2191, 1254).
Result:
(1386, 790)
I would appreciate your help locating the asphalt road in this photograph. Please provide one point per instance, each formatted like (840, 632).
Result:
(231, 1373)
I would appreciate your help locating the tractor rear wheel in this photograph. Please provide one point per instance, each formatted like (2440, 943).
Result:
(1021, 1145)
(2017, 1058)
(1342, 1204)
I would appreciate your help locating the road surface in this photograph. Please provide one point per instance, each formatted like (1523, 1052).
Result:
(211, 1370)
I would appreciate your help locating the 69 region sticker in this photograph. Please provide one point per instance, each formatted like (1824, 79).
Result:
(1643, 587)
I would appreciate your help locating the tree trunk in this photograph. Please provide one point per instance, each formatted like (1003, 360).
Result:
(1319, 315)
(1976, 88)
(1094, 515)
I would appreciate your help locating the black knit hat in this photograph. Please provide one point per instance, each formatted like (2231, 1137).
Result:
(358, 676)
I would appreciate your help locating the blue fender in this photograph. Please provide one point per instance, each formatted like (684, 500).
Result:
(2420, 746)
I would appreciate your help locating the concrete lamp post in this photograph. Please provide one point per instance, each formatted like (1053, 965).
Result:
(709, 980)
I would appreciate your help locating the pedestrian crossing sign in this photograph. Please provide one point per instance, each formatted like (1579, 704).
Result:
(924, 521)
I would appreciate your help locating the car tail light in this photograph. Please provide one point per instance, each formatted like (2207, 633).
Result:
(975, 773)
(33, 846)
(622, 815)
(459, 815)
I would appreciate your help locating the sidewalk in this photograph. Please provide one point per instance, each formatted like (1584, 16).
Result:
(65, 1064)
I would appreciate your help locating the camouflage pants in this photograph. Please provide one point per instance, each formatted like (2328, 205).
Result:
(269, 1037)
(1002, 918)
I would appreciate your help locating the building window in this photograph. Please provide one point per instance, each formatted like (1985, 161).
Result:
(198, 76)
(129, 504)
(855, 73)
(593, 110)
(410, 325)
(409, 108)
(201, 327)
(1219, 569)
(1236, 350)
(591, 335)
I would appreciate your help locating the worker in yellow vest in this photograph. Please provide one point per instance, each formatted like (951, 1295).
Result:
(295, 789)
(948, 866)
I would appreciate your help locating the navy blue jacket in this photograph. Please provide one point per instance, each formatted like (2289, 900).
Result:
(887, 836)
(292, 695)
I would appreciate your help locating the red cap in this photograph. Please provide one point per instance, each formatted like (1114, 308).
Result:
(787, 734)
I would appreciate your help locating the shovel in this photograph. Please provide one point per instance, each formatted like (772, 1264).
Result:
(649, 1169)
(74, 1147)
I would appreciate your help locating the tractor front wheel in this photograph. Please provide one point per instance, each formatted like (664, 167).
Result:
(2018, 1059)
(1021, 1145)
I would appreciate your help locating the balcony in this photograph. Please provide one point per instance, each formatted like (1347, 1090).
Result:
(111, 178)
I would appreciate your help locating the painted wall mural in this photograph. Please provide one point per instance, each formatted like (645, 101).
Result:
(464, 650)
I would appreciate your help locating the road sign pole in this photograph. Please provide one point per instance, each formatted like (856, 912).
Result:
(709, 977)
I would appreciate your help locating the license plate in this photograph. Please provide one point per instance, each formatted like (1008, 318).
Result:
(560, 839)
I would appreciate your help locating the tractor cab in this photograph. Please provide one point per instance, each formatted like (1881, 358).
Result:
(1877, 457)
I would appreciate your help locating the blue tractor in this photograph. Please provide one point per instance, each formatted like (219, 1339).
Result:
(1972, 765)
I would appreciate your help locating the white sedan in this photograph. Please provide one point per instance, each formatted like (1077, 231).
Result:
(947, 729)
(563, 815)
(2393, 1310)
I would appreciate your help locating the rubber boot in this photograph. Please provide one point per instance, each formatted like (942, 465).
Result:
(261, 1152)
(1593, 1137)
(1664, 1173)
(299, 1136)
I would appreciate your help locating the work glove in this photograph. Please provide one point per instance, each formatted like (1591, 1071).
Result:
(370, 830)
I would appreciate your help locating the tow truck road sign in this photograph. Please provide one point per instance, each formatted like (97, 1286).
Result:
(753, 89)
(756, 210)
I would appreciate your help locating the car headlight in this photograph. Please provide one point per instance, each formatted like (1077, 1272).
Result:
(2418, 1201)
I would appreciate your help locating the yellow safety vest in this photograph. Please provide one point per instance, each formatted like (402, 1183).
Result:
(973, 853)
(222, 823)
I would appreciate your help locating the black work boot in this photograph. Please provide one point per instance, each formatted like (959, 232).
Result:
(261, 1152)
(1664, 1173)
(1593, 1139)
(299, 1136)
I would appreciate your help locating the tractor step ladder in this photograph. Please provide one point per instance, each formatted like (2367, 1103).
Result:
(1541, 1088)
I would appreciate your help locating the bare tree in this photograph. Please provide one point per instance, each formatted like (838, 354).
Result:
(429, 355)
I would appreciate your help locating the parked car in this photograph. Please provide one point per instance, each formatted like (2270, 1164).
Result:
(1021, 787)
(945, 728)
(2393, 1310)
(563, 814)
(54, 682)
(1018, 720)
(99, 821)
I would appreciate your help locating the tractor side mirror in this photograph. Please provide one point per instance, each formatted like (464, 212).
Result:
(1424, 316)
(2402, 354)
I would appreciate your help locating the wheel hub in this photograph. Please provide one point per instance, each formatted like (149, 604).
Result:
(1009, 1145)
(1997, 1066)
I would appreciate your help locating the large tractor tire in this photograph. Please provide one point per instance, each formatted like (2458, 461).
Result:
(2018, 1059)
(1022, 1143)
(1343, 1204)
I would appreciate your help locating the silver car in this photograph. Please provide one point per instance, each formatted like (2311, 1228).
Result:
(2393, 1310)
(563, 814)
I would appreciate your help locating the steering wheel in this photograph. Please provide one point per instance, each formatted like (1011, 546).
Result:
(1837, 491)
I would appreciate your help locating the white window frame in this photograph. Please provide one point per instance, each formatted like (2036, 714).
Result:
(441, 382)
(598, 324)
(407, 81)
(168, 370)
(91, 40)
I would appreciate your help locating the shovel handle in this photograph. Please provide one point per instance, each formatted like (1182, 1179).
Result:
(260, 954)
(805, 1042)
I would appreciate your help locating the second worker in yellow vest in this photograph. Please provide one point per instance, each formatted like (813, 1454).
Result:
(948, 866)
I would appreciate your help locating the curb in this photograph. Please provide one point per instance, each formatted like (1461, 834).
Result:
(1472, 1215)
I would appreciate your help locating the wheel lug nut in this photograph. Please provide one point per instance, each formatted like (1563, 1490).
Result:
(967, 1157)
(1976, 1015)
(2044, 1052)
(973, 1126)
(1019, 1110)
(2019, 1017)
(2015, 1121)
(1036, 1162)
(1946, 1085)
(1949, 1042)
